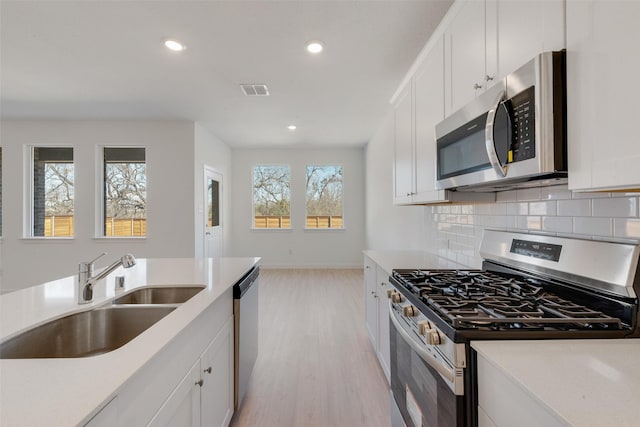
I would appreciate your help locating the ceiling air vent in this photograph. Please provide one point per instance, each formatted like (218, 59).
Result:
(255, 90)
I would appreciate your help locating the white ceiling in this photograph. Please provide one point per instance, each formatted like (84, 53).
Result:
(105, 60)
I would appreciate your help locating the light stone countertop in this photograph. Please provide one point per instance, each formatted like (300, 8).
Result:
(585, 383)
(66, 392)
(389, 260)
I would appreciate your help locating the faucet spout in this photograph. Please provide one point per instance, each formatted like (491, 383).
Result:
(86, 281)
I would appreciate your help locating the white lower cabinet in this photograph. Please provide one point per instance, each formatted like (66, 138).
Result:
(377, 312)
(182, 409)
(107, 417)
(504, 403)
(205, 396)
(217, 375)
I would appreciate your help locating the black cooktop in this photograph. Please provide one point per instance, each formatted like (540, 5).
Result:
(492, 301)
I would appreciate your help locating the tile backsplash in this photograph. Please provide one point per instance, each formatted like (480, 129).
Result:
(455, 231)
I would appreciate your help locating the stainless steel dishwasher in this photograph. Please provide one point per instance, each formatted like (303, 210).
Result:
(245, 313)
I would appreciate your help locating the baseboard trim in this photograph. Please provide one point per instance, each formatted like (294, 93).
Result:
(310, 267)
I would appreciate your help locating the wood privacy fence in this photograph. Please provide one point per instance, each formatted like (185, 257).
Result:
(313, 221)
(62, 226)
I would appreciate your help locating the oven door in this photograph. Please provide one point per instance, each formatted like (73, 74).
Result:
(421, 396)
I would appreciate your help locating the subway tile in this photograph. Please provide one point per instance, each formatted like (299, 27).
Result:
(528, 194)
(629, 228)
(511, 222)
(498, 209)
(592, 195)
(557, 224)
(506, 196)
(495, 221)
(548, 208)
(466, 209)
(483, 209)
(592, 226)
(529, 222)
(521, 208)
(580, 207)
(557, 192)
(619, 207)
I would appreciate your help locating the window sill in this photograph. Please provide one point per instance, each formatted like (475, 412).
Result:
(119, 238)
(46, 239)
(318, 230)
(271, 230)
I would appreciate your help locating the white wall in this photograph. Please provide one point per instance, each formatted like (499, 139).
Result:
(455, 231)
(170, 193)
(210, 151)
(299, 247)
(388, 226)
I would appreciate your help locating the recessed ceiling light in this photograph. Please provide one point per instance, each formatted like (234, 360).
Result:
(292, 127)
(174, 45)
(314, 46)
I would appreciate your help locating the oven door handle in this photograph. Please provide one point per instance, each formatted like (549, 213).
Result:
(447, 372)
(490, 144)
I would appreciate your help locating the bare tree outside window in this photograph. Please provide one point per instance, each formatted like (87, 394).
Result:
(271, 197)
(324, 197)
(125, 192)
(53, 192)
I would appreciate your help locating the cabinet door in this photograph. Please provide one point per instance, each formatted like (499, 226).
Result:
(371, 301)
(403, 148)
(384, 351)
(429, 111)
(217, 376)
(182, 409)
(602, 67)
(525, 29)
(107, 417)
(465, 40)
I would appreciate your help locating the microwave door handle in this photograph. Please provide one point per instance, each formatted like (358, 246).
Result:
(445, 371)
(489, 138)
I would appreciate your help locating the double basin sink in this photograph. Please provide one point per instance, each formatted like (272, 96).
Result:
(100, 330)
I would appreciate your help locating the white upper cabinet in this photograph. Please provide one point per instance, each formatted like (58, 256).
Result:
(524, 29)
(465, 45)
(403, 147)
(487, 40)
(602, 68)
(428, 84)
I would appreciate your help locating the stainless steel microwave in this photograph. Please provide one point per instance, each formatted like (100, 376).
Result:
(513, 135)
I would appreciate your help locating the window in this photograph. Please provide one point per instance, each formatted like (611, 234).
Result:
(271, 197)
(213, 203)
(52, 192)
(125, 192)
(324, 197)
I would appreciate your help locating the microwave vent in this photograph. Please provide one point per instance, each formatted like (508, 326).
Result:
(255, 89)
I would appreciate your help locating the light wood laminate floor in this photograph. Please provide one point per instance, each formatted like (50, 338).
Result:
(316, 365)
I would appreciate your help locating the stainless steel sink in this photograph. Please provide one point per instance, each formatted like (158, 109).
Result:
(159, 295)
(88, 333)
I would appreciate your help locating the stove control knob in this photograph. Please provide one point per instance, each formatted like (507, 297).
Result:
(433, 338)
(397, 298)
(409, 311)
(390, 293)
(424, 327)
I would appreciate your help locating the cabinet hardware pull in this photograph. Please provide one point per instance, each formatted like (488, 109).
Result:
(200, 383)
(488, 78)
(383, 284)
(476, 86)
(373, 292)
(208, 370)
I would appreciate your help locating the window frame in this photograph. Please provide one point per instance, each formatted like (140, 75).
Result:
(312, 229)
(99, 224)
(291, 221)
(28, 217)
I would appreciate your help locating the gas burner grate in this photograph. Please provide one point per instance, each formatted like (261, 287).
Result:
(479, 299)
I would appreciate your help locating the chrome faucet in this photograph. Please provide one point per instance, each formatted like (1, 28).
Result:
(86, 279)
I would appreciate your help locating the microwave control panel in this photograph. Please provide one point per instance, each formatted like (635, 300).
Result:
(524, 126)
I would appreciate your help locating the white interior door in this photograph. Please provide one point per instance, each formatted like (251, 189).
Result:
(212, 213)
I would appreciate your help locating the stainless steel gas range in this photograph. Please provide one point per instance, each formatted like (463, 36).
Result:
(529, 287)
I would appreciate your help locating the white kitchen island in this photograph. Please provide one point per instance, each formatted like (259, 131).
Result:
(140, 380)
(581, 383)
